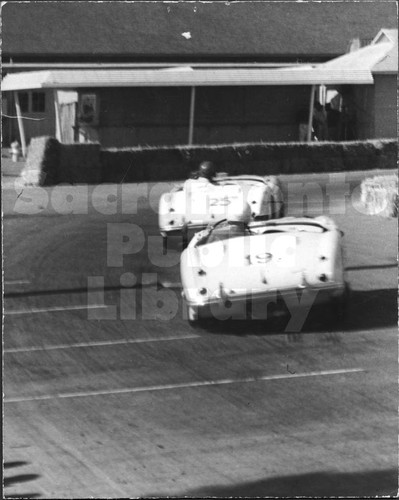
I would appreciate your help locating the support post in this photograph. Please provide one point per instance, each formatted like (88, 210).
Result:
(191, 122)
(20, 124)
(57, 116)
(310, 120)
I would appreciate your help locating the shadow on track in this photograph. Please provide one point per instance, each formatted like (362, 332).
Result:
(77, 290)
(372, 266)
(319, 484)
(366, 310)
(24, 495)
(17, 479)
(10, 465)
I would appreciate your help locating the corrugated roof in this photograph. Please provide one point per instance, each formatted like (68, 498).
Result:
(185, 77)
(142, 30)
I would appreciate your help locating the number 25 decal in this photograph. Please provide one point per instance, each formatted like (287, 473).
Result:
(219, 202)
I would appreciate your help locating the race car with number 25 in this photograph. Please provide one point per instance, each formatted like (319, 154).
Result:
(198, 202)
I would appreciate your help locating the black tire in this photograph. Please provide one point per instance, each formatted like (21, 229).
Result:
(184, 235)
(164, 245)
(193, 324)
(200, 322)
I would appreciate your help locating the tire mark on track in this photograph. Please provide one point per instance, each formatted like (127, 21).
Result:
(183, 385)
(98, 344)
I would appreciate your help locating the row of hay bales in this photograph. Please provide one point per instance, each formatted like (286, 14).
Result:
(379, 195)
(50, 162)
(152, 164)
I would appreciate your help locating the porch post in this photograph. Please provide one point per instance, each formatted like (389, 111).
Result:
(191, 122)
(57, 117)
(20, 124)
(311, 106)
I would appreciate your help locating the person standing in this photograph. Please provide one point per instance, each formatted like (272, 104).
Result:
(302, 120)
(320, 122)
(333, 122)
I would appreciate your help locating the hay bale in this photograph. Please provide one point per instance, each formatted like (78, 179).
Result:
(379, 195)
(176, 162)
(41, 168)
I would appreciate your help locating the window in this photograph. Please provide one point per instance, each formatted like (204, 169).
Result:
(24, 101)
(32, 102)
(38, 102)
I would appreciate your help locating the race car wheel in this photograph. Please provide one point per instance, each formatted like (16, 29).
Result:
(164, 245)
(194, 324)
(184, 238)
(195, 319)
(191, 314)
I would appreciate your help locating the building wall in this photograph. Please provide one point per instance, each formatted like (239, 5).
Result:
(362, 109)
(35, 123)
(141, 116)
(131, 117)
(376, 108)
(385, 106)
(160, 116)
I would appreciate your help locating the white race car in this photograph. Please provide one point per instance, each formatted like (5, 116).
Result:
(197, 203)
(296, 261)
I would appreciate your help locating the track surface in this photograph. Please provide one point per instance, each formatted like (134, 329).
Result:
(104, 404)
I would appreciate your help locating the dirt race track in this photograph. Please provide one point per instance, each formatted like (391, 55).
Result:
(110, 393)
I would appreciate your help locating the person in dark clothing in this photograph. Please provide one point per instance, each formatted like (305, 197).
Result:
(207, 169)
(236, 224)
(320, 122)
(302, 120)
(333, 123)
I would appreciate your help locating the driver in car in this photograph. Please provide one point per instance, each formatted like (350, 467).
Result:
(205, 175)
(236, 224)
(206, 171)
(197, 191)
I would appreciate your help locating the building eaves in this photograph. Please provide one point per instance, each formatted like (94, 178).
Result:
(75, 79)
(364, 58)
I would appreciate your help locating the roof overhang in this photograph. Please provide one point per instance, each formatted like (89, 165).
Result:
(185, 77)
(367, 58)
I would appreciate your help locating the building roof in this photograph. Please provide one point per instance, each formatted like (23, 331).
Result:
(367, 58)
(192, 30)
(63, 79)
(389, 63)
(385, 35)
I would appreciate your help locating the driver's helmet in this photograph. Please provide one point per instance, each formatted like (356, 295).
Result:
(207, 170)
(239, 213)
